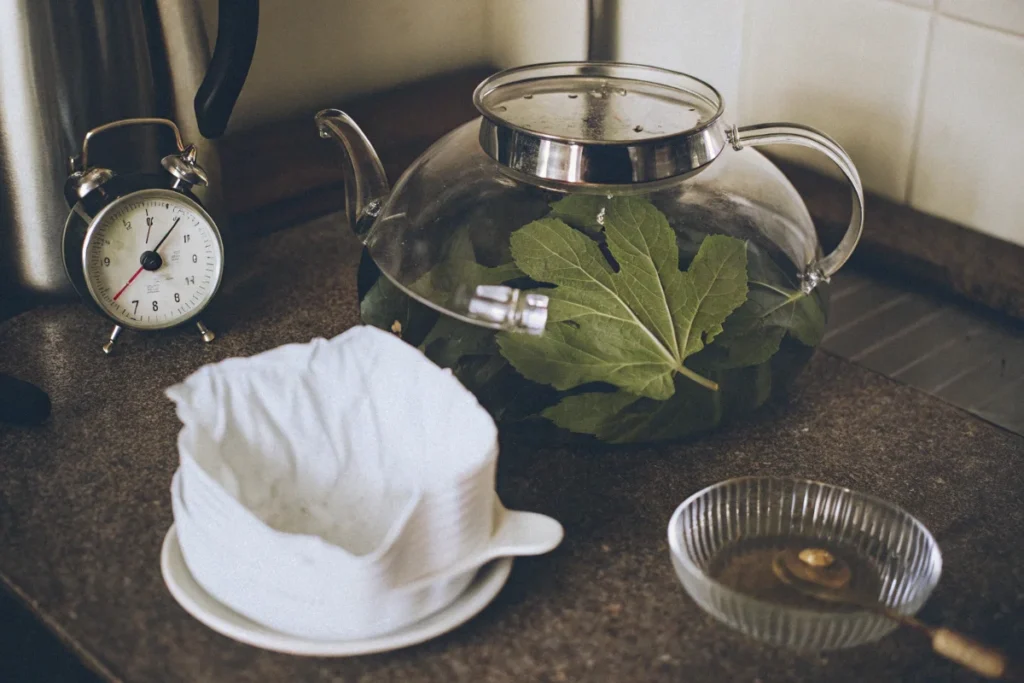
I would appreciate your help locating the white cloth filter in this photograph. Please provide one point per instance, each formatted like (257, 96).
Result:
(338, 439)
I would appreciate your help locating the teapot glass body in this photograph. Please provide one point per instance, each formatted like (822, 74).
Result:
(574, 304)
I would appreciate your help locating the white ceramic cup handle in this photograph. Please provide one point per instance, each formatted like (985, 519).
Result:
(795, 134)
(517, 534)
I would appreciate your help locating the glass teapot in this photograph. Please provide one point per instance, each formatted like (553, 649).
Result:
(599, 254)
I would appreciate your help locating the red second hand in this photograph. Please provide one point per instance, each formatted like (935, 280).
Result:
(129, 282)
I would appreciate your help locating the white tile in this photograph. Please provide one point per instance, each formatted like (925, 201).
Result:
(1007, 15)
(970, 157)
(852, 68)
(703, 38)
(530, 31)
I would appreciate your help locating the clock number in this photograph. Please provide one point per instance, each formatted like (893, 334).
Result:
(177, 298)
(195, 258)
(149, 221)
(136, 302)
(187, 238)
(155, 307)
(127, 225)
(106, 260)
(190, 280)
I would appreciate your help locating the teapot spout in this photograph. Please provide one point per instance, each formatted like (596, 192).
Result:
(366, 184)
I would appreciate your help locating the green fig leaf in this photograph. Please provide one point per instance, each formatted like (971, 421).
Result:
(633, 327)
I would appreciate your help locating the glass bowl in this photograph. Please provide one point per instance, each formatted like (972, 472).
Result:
(723, 540)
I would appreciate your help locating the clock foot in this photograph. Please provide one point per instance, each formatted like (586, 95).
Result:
(114, 334)
(206, 332)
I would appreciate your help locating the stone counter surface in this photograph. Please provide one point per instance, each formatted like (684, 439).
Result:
(84, 506)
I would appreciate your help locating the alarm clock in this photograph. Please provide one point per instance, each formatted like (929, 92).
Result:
(139, 248)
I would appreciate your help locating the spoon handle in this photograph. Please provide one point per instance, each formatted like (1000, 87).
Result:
(984, 660)
(981, 659)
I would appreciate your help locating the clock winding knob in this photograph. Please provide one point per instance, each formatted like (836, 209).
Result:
(81, 183)
(184, 167)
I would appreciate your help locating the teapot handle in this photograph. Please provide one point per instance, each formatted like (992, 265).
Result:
(795, 134)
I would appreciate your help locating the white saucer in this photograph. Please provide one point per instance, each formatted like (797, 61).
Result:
(190, 595)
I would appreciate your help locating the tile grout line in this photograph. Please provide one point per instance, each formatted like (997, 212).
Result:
(995, 396)
(952, 341)
(915, 144)
(958, 376)
(968, 383)
(939, 12)
(920, 359)
(831, 334)
(885, 341)
(852, 289)
(977, 24)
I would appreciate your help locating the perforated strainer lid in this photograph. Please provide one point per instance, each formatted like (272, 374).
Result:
(600, 123)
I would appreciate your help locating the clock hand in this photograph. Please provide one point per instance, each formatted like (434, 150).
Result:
(121, 291)
(168, 234)
(150, 259)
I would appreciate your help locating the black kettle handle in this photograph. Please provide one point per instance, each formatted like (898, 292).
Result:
(237, 26)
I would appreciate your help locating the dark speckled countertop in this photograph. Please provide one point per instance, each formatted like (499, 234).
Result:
(84, 506)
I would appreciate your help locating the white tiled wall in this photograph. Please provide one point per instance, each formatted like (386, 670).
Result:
(970, 155)
(926, 95)
(851, 68)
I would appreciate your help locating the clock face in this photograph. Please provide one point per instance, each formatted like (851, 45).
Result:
(152, 259)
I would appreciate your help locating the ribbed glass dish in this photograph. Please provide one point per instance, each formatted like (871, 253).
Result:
(722, 540)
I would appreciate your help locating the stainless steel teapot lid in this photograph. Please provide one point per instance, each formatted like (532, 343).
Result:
(597, 123)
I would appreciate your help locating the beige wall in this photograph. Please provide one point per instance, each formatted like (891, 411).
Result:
(703, 38)
(530, 31)
(314, 53)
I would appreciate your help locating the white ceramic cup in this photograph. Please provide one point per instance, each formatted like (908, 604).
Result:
(326, 601)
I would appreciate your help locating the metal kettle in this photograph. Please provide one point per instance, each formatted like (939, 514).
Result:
(67, 66)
